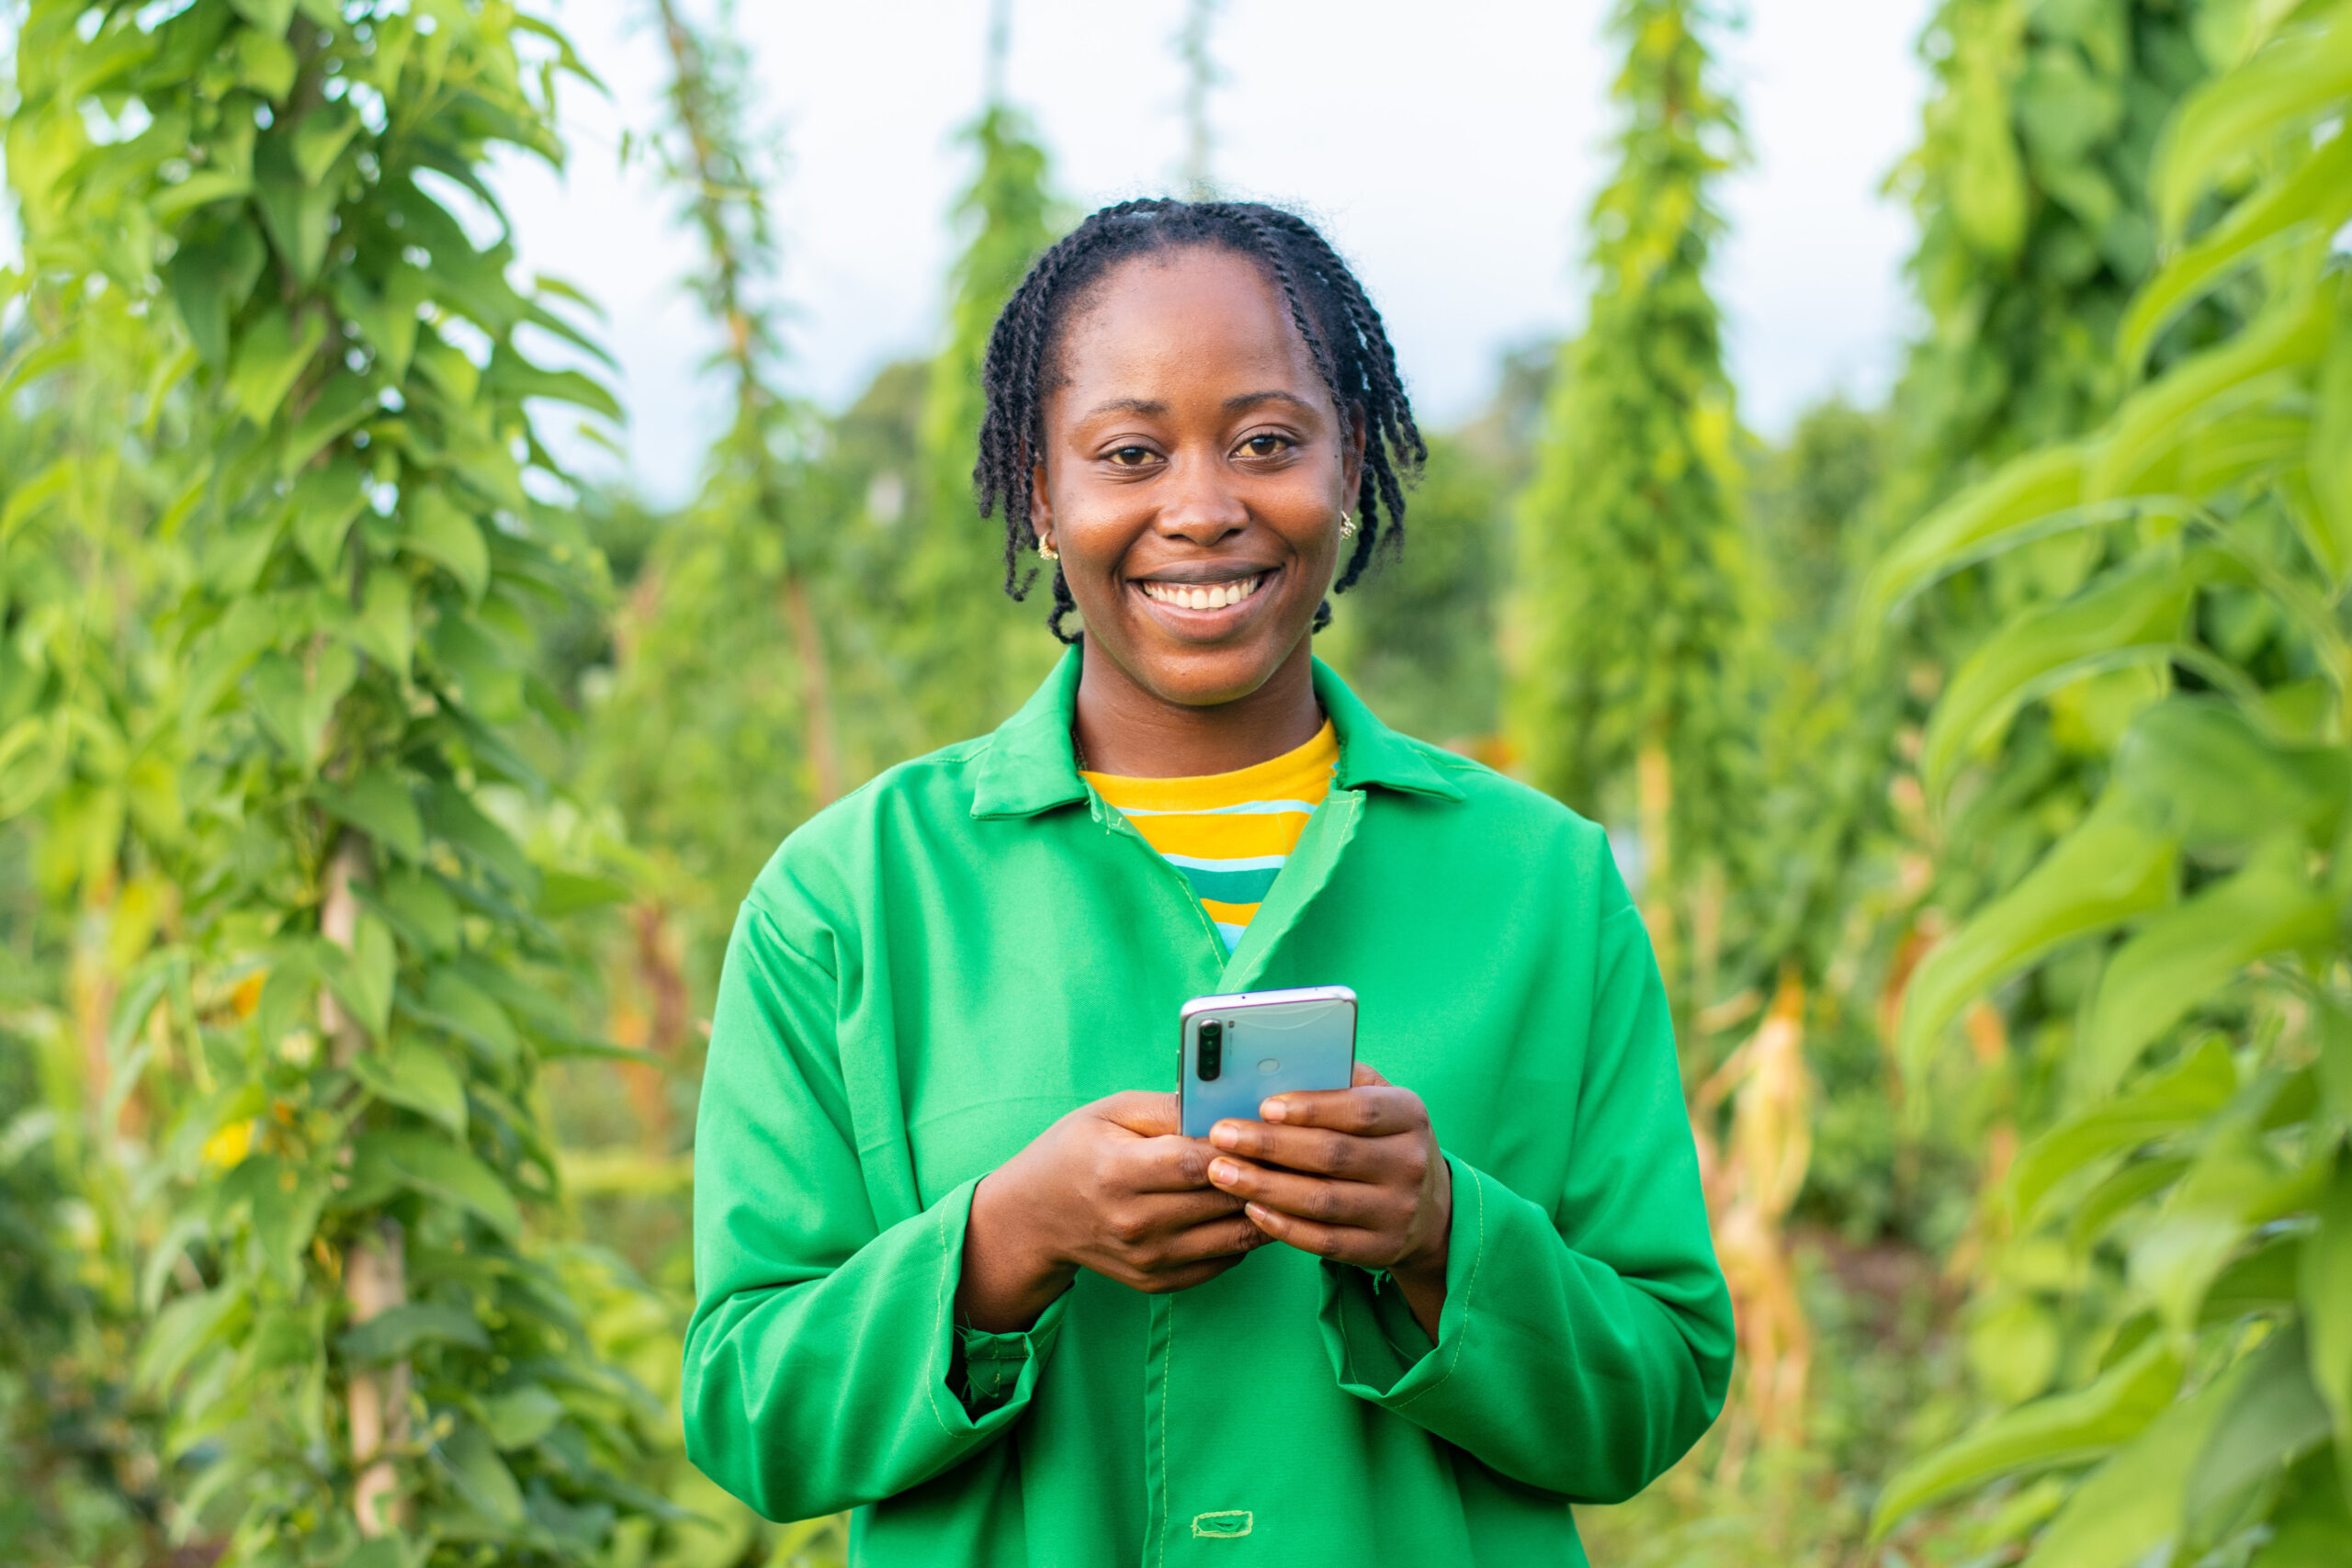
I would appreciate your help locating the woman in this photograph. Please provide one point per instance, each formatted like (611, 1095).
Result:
(956, 1266)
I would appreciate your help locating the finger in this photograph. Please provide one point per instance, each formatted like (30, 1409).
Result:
(1157, 1216)
(1313, 1149)
(1174, 1280)
(1342, 1244)
(1368, 1109)
(1368, 1077)
(1226, 1237)
(1164, 1164)
(1307, 1197)
(1143, 1112)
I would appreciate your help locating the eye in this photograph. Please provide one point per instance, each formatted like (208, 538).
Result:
(1266, 444)
(1132, 456)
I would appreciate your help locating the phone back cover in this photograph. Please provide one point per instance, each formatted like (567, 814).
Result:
(1279, 1048)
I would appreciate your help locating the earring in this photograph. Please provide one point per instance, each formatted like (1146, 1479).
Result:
(1047, 550)
(1347, 526)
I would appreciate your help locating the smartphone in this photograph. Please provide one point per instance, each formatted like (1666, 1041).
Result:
(1237, 1050)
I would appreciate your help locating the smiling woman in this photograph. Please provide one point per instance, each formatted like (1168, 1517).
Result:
(957, 1266)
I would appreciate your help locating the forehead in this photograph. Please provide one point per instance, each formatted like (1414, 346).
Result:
(1189, 314)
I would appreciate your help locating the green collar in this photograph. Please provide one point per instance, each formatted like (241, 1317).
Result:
(1027, 766)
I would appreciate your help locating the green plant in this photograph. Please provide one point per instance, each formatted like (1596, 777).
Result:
(2189, 1209)
(1629, 638)
(367, 1359)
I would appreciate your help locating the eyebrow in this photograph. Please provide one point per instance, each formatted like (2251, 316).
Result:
(1127, 405)
(1250, 400)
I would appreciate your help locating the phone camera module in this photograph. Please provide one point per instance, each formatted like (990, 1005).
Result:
(1210, 1056)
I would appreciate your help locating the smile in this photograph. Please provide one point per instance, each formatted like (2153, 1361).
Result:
(1202, 595)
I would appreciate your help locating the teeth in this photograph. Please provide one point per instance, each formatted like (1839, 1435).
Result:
(1203, 596)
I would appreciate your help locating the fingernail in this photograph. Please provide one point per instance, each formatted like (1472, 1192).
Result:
(1224, 1172)
(1271, 1112)
(1225, 1135)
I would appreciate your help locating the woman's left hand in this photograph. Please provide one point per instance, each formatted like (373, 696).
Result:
(1361, 1180)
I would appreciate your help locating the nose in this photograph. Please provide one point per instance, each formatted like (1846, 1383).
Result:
(1200, 503)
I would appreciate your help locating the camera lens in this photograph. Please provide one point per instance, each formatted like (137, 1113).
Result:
(1210, 1057)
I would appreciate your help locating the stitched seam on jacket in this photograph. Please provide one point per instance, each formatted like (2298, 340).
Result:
(932, 1384)
(1167, 1378)
(1469, 1292)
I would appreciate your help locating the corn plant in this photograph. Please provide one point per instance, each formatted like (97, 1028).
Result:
(2191, 1205)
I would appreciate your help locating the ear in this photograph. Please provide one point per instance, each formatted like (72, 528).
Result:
(1041, 509)
(1351, 456)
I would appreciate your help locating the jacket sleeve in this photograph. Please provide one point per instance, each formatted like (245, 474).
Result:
(1585, 1348)
(824, 1367)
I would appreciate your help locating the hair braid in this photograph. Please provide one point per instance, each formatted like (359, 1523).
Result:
(1343, 334)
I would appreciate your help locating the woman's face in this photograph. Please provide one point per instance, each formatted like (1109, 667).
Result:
(1194, 476)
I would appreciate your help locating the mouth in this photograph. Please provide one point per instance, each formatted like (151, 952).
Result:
(1222, 593)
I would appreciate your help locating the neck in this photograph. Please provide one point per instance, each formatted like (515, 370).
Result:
(1123, 728)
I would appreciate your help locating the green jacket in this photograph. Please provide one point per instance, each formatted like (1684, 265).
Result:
(936, 968)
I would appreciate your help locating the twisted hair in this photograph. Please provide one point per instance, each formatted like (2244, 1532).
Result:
(1342, 331)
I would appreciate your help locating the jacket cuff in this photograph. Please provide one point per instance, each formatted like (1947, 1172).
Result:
(1378, 1350)
(991, 1375)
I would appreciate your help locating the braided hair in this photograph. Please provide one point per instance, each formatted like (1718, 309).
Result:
(1342, 331)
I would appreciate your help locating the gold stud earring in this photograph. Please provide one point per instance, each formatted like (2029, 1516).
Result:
(1046, 549)
(1347, 526)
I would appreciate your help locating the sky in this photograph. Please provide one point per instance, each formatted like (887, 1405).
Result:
(1449, 152)
(1447, 149)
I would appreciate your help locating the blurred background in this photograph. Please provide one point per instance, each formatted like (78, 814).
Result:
(472, 480)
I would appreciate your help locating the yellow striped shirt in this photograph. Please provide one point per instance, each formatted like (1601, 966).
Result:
(1229, 833)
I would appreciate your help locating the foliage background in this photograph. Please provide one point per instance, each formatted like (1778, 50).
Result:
(375, 796)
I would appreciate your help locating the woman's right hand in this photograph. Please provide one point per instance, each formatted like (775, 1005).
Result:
(1113, 1186)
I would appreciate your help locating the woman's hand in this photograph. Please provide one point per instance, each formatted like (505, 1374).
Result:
(1360, 1182)
(1111, 1187)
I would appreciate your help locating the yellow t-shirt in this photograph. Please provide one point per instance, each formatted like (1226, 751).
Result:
(1229, 833)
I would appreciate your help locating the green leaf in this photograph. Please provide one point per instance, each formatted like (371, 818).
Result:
(481, 1478)
(2303, 74)
(2119, 1194)
(2002, 511)
(521, 1416)
(565, 892)
(211, 281)
(458, 821)
(2234, 1186)
(2316, 199)
(2117, 864)
(2131, 616)
(272, 17)
(2155, 422)
(361, 978)
(394, 1334)
(325, 502)
(2260, 1282)
(2187, 953)
(183, 1331)
(282, 1202)
(2275, 1417)
(411, 1073)
(266, 62)
(440, 533)
(233, 556)
(320, 138)
(385, 628)
(2180, 1100)
(378, 804)
(343, 401)
(512, 376)
(2063, 1429)
(2132, 1505)
(2330, 452)
(416, 899)
(296, 704)
(454, 1003)
(2223, 783)
(269, 360)
(427, 1163)
(2326, 1292)
(296, 213)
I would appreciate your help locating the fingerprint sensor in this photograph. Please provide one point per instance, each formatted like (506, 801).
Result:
(1271, 1064)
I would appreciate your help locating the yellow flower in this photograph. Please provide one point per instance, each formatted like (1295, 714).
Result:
(228, 1146)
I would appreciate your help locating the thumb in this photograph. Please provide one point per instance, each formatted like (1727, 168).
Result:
(1368, 1077)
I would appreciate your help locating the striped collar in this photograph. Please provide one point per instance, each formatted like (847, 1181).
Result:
(1027, 766)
